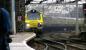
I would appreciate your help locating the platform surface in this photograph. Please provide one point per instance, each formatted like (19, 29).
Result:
(19, 41)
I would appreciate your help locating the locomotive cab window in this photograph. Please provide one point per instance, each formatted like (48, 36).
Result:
(33, 16)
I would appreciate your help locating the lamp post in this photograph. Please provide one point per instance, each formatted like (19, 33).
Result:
(13, 16)
(77, 16)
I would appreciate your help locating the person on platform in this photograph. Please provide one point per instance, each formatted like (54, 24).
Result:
(5, 28)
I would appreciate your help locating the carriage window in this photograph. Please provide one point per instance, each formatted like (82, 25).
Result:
(33, 16)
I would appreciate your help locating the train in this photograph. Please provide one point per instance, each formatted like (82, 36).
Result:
(34, 20)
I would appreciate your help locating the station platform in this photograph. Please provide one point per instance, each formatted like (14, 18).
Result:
(19, 41)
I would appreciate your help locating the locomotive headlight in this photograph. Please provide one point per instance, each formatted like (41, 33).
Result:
(27, 25)
(39, 24)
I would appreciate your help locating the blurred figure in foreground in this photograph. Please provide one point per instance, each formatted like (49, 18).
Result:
(5, 28)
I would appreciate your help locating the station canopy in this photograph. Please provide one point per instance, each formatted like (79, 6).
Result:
(54, 1)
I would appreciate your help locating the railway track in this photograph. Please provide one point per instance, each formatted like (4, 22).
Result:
(49, 45)
(58, 45)
(77, 44)
(52, 40)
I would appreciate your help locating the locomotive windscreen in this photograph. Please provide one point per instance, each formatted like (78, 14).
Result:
(33, 16)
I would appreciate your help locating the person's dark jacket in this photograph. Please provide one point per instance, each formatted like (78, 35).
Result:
(5, 24)
(6, 21)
